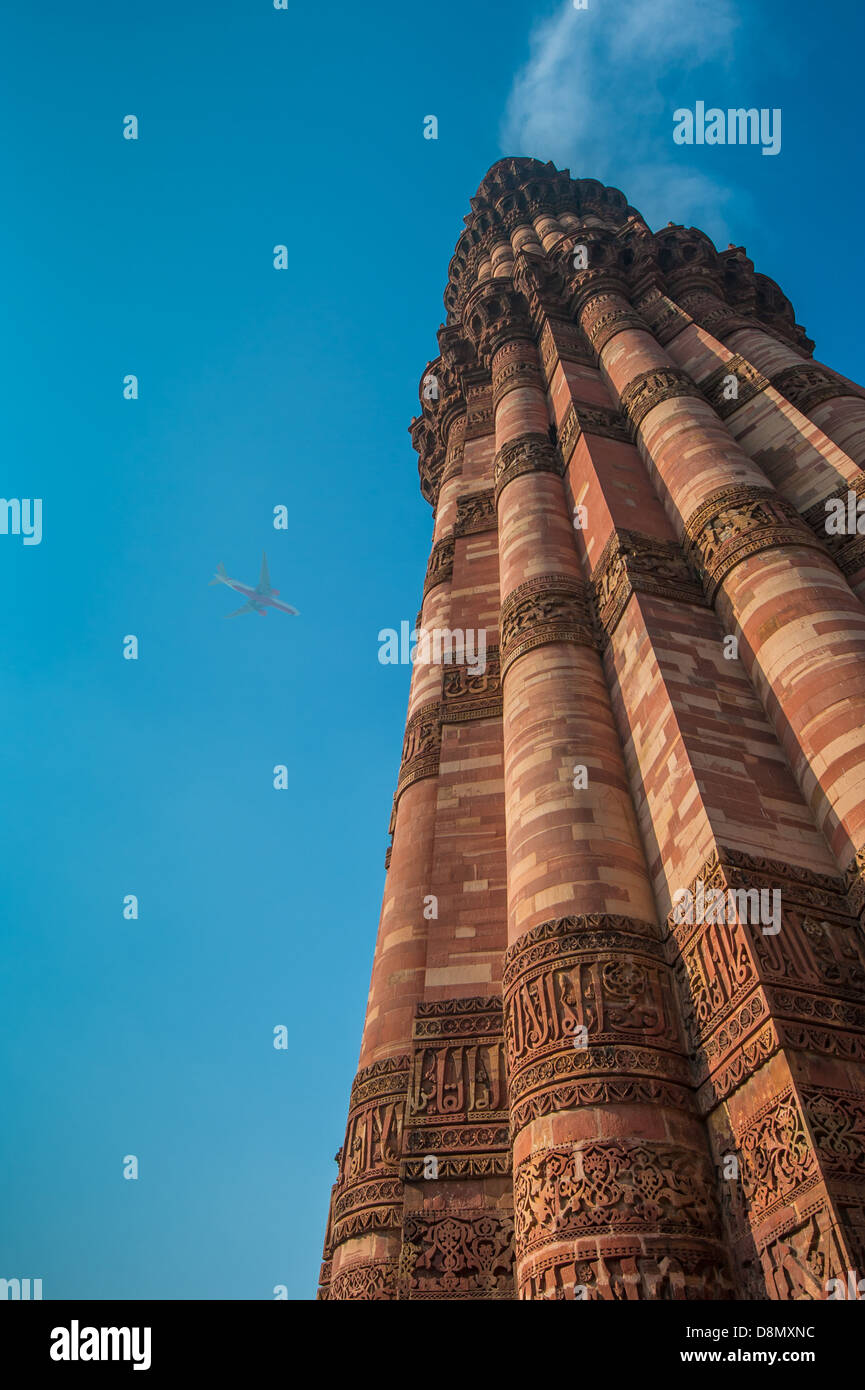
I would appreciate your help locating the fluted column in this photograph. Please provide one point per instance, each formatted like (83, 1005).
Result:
(770, 579)
(801, 461)
(598, 1124)
(830, 400)
(783, 1076)
(717, 804)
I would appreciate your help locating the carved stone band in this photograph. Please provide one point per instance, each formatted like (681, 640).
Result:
(441, 564)
(810, 384)
(749, 383)
(530, 453)
(479, 422)
(324, 1280)
(453, 462)
(633, 563)
(509, 376)
(496, 1164)
(613, 1186)
(717, 318)
(608, 324)
(475, 512)
(430, 471)
(371, 1206)
(459, 1254)
(364, 1283)
(562, 338)
(736, 868)
(368, 1194)
(388, 1077)
(737, 522)
(598, 1076)
(651, 388)
(551, 608)
(590, 288)
(548, 940)
(664, 317)
(468, 693)
(457, 1106)
(847, 548)
(494, 314)
(735, 980)
(779, 1162)
(421, 747)
(606, 974)
(641, 1268)
(590, 419)
(816, 516)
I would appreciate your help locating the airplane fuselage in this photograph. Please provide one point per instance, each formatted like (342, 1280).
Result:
(260, 598)
(261, 601)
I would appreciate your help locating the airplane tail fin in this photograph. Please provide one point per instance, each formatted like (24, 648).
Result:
(220, 574)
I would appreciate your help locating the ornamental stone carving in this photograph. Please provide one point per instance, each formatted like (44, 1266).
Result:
(421, 746)
(457, 1254)
(662, 316)
(748, 384)
(622, 1185)
(634, 563)
(651, 388)
(457, 1103)
(368, 1283)
(552, 608)
(476, 512)
(737, 522)
(605, 316)
(468, 693)
(530, 453)
(810, 384)
(591, 419)
(441, 564)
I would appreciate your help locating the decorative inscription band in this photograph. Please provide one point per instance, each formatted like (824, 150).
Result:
(651, 388)
(735, 523)
(530, 453)
(441, 564)
(633, 563)
(550, 608)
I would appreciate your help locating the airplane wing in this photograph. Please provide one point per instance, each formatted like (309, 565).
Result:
(247, 608)
(264, 581)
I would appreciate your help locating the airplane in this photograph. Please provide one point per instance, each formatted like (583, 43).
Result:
(260, 598)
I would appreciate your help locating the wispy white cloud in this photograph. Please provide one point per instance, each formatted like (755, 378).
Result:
(592, 97)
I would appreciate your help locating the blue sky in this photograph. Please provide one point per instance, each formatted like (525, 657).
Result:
(259, 388)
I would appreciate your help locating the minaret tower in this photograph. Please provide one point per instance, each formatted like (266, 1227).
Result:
(615, 1040)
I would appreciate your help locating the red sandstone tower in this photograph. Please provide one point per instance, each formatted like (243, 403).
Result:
(568, 1089)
